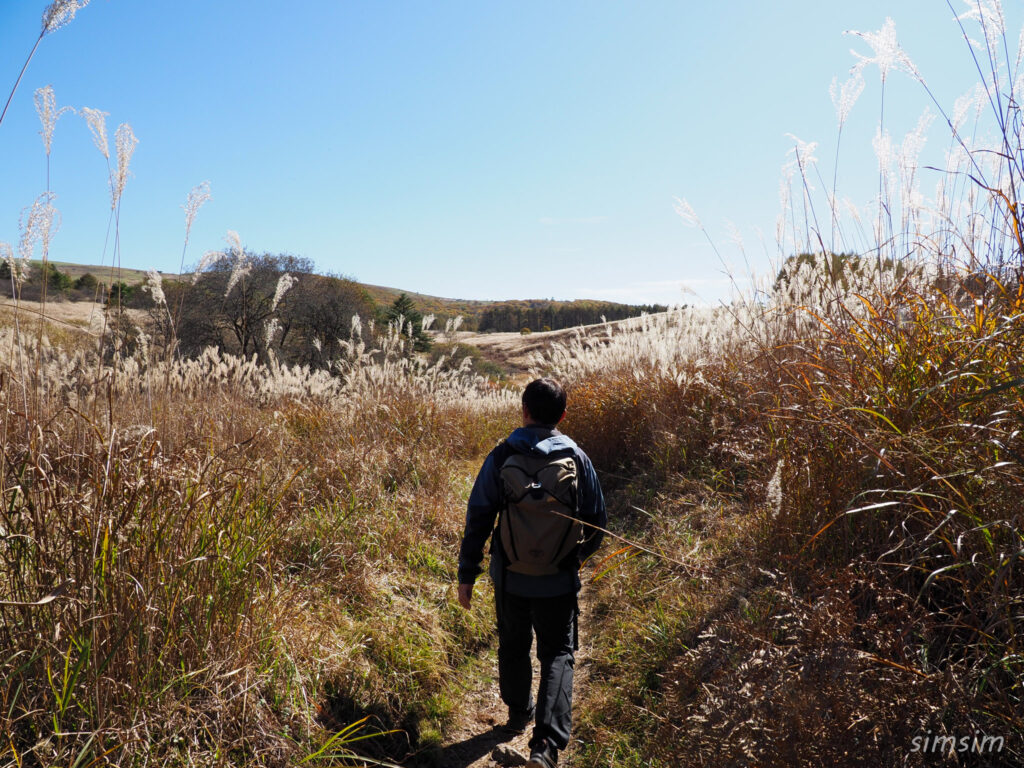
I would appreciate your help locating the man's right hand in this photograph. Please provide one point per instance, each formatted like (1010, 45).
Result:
(465, 595)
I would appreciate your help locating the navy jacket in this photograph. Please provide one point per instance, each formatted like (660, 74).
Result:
(487, 500)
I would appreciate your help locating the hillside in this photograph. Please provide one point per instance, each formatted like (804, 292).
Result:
(504, 315)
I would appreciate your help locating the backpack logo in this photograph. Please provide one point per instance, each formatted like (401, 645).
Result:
(535, 529)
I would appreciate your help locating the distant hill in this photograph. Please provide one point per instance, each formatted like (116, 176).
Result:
(535, 314)
(430, 305)
(104, 274)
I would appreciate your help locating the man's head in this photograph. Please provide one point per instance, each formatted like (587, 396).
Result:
(543, 402)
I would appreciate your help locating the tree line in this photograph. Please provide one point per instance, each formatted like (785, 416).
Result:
(556, 315)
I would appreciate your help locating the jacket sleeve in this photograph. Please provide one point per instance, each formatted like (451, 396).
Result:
(485, 501)
(592, 509)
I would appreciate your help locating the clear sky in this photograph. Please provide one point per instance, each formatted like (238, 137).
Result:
(468, 149)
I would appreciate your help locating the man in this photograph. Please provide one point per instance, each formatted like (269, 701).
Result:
(542, 486)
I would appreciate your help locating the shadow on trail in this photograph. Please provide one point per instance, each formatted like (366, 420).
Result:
(464, 753)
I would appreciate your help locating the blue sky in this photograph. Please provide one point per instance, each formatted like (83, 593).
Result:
(466, 149)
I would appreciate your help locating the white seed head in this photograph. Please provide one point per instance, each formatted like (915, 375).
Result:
(686, 213)
(888, 54)
(97, 122)
(974, 99)
(19, 272)
(234, 243)
(989, 15)
(59, 13)
(125, 142)
(155, 285)
(272, 328)
(845, 96)
(241, 267)
(914, 142)
(209, 258)
(803, 152)
(774, 491)
(199, 195)
(284, 283)
(38, 224)
(46, 107)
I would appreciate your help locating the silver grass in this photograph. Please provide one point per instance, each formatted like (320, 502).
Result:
(272, 328)
(97, 122)
(888, 55)
(284, 283)
(774, 491)
(686, 213)
(199, 195)
(803, 153)
(913, 144)
(357, 327)
(46, 107)
(59, 13)
(18, 271)
(125, 143)
(845, 96)
(989, 15)
(38, 224)
(241, 266)
(154, 284)
(974, 100)
(209, 258)
(143, 343)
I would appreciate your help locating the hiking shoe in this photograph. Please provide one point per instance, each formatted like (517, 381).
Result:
(519, 720)
(543, 756)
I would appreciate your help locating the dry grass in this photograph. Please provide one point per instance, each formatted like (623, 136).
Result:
(847, 447)
(239, 566)
(214, 561)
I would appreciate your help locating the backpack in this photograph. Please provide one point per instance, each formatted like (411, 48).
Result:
(534, 537)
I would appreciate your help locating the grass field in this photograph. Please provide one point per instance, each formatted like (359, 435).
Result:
(815, 549)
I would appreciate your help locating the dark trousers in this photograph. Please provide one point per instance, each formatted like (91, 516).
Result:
(554, 621)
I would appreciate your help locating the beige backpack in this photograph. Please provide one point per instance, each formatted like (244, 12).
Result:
(541, 497)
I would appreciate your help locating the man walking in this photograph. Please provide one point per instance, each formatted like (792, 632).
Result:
(543, 489)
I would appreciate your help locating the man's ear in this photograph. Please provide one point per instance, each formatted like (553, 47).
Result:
(562, 416)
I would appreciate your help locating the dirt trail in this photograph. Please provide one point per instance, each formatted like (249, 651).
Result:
(473, 741)
(515, 352)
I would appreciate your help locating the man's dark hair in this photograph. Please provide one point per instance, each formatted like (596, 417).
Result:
(545, 400)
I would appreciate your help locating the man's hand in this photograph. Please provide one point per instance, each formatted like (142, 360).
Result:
(465, 595)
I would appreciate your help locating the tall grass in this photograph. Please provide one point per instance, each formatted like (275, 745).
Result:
(845, 445)
(205, 566)
(221, 561)
(217, 561)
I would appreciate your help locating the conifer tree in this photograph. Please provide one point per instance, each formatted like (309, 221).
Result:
(403, 307)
